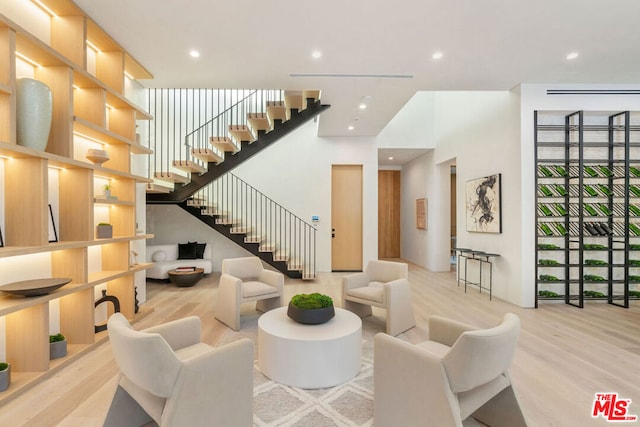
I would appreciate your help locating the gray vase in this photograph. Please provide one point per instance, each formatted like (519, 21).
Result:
(34, 107)
(5, 378)
(57, 349)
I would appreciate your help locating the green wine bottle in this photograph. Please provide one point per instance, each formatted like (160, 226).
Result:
(605, 190)
(560, 209)
(634, 229)
(546, 229)
(605, 209)
(590, 210)
(634, 209)
(561, 171)
(635, 190)
(590, 191)
(605, 171)
(545, 191)
(590, 171)
(560, 190)
(634, 171)
(545, 210)
(561, 229)
(545, 171)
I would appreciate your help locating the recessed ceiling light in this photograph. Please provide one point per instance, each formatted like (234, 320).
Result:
(194, 54)
(390, 158)
(363, 106)
(350, 127)
(572, 55)
(437, 55)
(316, 54)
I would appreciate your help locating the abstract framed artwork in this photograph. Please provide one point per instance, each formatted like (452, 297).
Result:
(421, 214)
(483, 204)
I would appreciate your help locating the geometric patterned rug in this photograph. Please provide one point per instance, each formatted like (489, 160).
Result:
(346, 405)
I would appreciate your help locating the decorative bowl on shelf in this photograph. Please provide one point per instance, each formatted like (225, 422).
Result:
(97, 156)
(35, 287)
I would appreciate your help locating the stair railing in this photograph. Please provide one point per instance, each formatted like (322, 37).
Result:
(187, 118)
(263, 221)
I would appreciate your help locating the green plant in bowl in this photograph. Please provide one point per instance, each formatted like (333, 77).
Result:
(311, 301)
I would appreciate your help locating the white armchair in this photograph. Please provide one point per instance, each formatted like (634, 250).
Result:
(170, 377)
(382, 284)
(459, 372)
(245, 280)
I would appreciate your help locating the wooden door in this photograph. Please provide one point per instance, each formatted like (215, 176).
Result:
(388, 214)
(346, 217)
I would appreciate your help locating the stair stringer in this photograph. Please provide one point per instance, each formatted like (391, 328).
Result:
(264, 139)
(225, 230)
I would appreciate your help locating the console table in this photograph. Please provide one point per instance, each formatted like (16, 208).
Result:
(482, 258)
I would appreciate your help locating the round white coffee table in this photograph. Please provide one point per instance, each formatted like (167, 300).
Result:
(309, 356)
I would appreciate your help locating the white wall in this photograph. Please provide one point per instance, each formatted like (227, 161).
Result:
(413, 181)
(469, 128)
(413, 126)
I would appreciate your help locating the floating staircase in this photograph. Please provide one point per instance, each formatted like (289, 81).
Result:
(254, 221)
(190, 177)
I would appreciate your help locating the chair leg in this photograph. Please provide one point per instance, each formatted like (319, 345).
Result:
(265, 305)
(501, 411)
(361, 310)
(125, 411)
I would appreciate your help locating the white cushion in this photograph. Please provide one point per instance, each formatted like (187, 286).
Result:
(371, 293)
(159, 256)
(253, 289)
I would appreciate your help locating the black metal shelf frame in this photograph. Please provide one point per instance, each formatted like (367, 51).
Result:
(589, 177)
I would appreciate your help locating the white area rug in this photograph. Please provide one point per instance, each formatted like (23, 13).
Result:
(349, 404)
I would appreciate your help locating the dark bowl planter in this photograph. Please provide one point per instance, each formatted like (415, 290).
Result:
(312, 316)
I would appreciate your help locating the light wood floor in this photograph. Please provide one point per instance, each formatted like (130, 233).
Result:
(565, 355)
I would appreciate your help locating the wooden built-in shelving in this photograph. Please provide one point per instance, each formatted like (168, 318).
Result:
(90, 110)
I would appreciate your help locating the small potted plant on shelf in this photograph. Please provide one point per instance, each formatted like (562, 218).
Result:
(5, 376)
(107, 191)
(311, 309)
(57, 346)
(104, 230)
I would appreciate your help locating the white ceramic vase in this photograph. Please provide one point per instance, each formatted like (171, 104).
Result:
(34, 109)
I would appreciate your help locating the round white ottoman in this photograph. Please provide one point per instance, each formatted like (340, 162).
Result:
(309, 356)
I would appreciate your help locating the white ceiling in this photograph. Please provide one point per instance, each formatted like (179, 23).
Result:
(382, 49)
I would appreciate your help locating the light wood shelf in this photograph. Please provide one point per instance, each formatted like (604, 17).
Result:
(88, 108)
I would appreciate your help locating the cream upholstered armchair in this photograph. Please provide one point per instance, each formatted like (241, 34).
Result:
(170, 377)
(382, 284)
(459, 372)
(245, 280)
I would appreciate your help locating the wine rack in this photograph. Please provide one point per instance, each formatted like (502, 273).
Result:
(587, 207)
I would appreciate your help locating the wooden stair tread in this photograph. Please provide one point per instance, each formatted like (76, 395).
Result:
(313, 94)
(241, 133)
(152, 187)
(188, 166)
(259, 121)
(293, 100)
(209, 211)
(276, 110)
(208, 155)
(195, 201)
(224, 143)
(171, 177)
